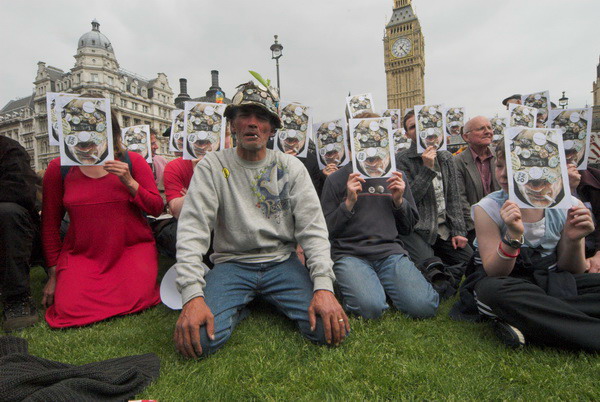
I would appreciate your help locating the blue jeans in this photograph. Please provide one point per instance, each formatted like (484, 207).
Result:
(364, 285)
(231, 286)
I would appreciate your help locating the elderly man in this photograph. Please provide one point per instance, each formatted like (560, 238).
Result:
(259, 203)
(441, 230)
(476, 166)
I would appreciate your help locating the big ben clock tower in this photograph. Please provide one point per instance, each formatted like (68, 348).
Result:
(404, 51)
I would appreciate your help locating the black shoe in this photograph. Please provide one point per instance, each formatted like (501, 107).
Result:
(19, 314)
(508, 334)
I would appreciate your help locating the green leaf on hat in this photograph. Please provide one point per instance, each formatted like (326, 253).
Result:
(260, 79)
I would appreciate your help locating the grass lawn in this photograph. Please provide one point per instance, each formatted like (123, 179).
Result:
(391, 358)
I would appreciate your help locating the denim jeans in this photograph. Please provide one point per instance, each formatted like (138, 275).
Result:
(364, 285)
(231, 286)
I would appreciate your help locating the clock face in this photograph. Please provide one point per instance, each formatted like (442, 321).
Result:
(401, 47)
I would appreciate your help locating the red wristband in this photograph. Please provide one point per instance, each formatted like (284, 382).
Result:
(506, 254)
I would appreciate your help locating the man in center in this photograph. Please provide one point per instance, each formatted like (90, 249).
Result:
(259, 203)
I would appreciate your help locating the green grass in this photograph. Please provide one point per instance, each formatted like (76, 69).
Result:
(392, 358)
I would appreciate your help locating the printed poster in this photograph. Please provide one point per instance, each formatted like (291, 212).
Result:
(372, 147)
(205, 127)
(52, 117)
(430, 127)
(395, 115)
(576, 128)
(331, 143)
(358, 104)
(522, 116)
(293, 138)
(85, 131)
(137, 139)
(537, 168)
(499, 124)
(177, 130)
(455, 121)
(541, 102)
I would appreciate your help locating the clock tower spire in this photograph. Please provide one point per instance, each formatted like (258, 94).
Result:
(404, 54)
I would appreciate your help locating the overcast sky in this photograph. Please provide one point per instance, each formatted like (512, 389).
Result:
(477, 52)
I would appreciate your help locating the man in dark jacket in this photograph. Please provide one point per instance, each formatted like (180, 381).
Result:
(441, 230)
(476, 166)
(18, 227)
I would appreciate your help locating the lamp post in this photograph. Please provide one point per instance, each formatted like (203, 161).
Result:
(276, 50)
(564, 101)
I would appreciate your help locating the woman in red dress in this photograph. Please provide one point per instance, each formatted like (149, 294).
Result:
(107, 264)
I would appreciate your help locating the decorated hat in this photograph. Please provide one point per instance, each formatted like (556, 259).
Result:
(82, 115)
(263, 96)
(534, 154)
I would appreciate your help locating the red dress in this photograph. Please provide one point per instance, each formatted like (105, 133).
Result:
(107, 264)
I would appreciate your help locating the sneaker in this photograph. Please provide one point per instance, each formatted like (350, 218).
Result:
(19, 314)
(508, 334)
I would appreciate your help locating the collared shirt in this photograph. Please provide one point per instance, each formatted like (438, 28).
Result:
(484, 168)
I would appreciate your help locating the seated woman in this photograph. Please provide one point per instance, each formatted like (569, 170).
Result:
(527, 273)
(107, 264)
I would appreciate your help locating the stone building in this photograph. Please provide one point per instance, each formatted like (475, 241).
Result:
(136, 100)
(404, 54)
(596, 103)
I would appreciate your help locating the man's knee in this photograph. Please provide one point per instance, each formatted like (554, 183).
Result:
(491, 290)
(210, 346)
(422, 306)
(369, 307)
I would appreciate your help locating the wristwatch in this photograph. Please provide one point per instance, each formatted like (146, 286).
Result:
(514, 243)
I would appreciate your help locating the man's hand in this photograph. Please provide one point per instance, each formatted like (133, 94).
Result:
(459, 242)
(335, 321)
(511, 216)
(429, 156)
(594, 263)
(329, 169)
(353, 187)
(397, 186)
(194, 315)
(121, 170)
(49, 288)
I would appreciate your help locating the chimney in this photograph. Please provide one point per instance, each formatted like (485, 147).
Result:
(215, 78)
(183, 95)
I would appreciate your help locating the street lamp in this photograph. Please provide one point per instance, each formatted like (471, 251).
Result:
(276, 50)
(564, 101)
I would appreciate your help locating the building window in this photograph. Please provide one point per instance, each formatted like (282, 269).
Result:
(137, 122)
(145, 108)
(123, 103)
(110, 81)
(112, 98)
(134, 106)
(126, 121)
(95, 78)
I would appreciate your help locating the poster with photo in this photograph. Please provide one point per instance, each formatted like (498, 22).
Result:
(537, 168)
(429, 121)
(372, 146)
(331, 143)
(594, 156)
(499, 124)
(395, 115)
(401, 140)
(85, 131)
(541, 102)
(576, 128)
(177, 130)
(52, 117)
(454, 122)
(358, 104)
(293, 138)
(205, 128)
(137, 139)
(521, 115)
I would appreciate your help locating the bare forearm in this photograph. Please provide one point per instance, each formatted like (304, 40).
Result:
(175, 206)
(571, 256)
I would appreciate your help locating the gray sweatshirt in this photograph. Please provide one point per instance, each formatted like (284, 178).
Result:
(258, 211)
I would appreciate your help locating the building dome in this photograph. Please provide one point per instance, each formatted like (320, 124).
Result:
(95, 38)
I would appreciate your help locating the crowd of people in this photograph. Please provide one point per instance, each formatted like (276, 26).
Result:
(250, 222)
